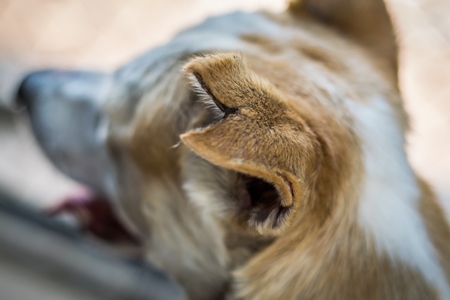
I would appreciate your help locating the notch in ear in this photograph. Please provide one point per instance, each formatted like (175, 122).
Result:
(273, 152)
(366, 21)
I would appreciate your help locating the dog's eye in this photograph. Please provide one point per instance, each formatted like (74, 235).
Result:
(208, 97)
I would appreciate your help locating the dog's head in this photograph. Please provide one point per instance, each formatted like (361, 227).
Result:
(251, 124)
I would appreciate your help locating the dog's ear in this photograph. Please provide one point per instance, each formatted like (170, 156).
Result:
(258, 136)
(367, 21)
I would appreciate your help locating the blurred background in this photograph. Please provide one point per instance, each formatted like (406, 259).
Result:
(104, 34)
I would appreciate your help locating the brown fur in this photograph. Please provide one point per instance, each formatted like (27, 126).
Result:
(366, 22)
(437, 225)
(264, 116)
(276, 127)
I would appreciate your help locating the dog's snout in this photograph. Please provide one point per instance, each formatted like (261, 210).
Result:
(30, 86)
(58, 85)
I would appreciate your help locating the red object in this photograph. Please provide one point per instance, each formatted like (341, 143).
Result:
(96, 216)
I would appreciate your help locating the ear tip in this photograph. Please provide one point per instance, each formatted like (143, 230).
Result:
(194, 64)
(192, 137)
(186, 137)
(198, 63)
(189, 67)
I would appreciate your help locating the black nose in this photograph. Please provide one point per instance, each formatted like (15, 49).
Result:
(29, 87)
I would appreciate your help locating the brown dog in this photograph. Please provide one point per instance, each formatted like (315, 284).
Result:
(259, 156)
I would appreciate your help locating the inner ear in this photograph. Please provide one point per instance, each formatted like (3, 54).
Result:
(267, 196)
(262, 204)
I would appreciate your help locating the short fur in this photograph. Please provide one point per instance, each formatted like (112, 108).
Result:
(261, 156)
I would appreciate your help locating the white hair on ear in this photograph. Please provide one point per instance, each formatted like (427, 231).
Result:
(204, 97)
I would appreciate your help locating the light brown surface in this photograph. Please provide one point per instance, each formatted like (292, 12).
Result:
(424, 28)
(104, 34)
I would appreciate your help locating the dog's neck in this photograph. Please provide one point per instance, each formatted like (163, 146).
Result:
(364, 201)
(360, 124)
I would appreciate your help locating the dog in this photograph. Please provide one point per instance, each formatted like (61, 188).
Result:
(258, 156)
